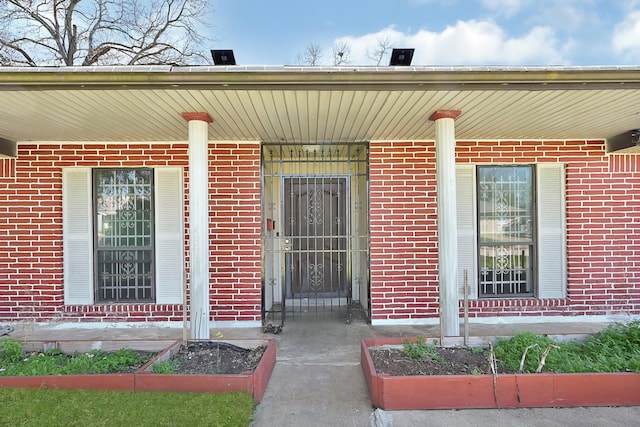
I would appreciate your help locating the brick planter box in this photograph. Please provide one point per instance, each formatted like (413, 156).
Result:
(143, 379)
(121, 382)
(254, 383)
(511, 390)
(84, 382)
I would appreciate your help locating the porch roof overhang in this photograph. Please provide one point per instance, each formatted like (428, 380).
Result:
(318, 104)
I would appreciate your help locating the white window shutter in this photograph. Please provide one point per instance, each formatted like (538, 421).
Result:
(552, 252)
(466, 221)
(169, 229)
(77, 232)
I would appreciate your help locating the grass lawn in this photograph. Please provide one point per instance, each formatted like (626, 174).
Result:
(48, 407)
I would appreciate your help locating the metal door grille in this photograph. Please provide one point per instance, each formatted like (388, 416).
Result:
(315, 244)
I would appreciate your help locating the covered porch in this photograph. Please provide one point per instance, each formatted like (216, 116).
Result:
(397, 108)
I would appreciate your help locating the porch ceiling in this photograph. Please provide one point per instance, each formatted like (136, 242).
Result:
(308, 105)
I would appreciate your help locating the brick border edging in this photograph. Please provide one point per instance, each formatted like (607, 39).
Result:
(511, 390)
(254, 383)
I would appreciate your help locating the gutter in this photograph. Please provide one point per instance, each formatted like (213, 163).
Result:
(263, 77)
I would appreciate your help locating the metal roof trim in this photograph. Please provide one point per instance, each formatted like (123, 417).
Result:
(12, 78)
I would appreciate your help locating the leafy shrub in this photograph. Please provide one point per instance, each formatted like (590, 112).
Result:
(509, 351)
(10, 350)
(615, 349)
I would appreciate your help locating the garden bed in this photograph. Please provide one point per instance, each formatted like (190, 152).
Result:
(253, 382)
(504, 390)
(45, 351)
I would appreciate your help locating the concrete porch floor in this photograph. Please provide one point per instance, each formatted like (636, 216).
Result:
(318, 381)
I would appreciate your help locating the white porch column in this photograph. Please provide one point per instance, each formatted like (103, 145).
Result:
(199, 223)
(447, 229)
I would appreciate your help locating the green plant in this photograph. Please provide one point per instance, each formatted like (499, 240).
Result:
(10, 350)
(477, 350)
(420, 350)
(53, 352)
(509, 352)
(166, 367)
(614, 349)
(53, 362)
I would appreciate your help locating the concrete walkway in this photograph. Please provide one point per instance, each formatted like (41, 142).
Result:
(318, 381)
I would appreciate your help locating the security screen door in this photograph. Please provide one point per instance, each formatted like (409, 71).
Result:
(316, 228)
(315, 224)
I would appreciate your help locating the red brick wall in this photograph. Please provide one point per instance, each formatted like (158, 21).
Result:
(235, 231)
(404, 255)
(603, 201)
(603, 228)
(31, 270)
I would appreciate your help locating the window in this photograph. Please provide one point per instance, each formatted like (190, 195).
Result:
(511, 230)
(505, 224)
(123, 223)
(123, 235)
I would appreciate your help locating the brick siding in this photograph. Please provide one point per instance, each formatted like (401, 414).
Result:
(404, 254)
(31, 270)
(234, 220)
(603, 228)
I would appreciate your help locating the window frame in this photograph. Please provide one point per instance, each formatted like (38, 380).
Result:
(78, 236)
(96, 248)
(551, 232)
(532, 244)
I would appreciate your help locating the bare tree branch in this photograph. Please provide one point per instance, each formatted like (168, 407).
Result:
(27, 59)
(102, 32)
(311, 55)
(341, 53)
(382, 47)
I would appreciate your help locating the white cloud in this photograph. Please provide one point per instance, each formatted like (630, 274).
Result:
(568, 15)
(631, 4)
(465, 43)
(626, 37)
(503, 7)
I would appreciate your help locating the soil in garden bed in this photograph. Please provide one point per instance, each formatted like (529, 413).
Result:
(216, 358)
(454, 361)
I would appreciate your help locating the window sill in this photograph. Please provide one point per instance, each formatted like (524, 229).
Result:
(515, 302)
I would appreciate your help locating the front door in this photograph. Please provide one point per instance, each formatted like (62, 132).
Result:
(315, 225)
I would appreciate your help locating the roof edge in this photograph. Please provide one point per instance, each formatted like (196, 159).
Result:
(178, 76)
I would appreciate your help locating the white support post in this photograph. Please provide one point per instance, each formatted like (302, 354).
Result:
(447, 229)
(199, 223)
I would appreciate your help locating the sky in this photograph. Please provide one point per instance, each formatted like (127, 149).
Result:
(442, 32)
